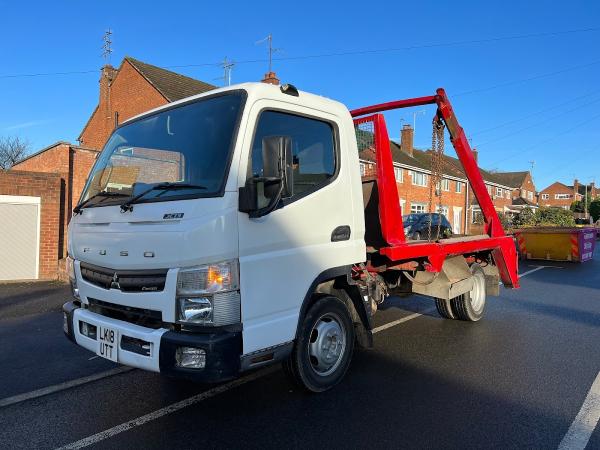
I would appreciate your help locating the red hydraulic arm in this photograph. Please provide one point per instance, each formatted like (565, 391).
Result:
(501, 246)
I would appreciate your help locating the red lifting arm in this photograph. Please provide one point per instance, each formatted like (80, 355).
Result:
(501, 246)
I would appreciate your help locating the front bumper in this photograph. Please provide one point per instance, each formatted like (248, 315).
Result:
(223, 348)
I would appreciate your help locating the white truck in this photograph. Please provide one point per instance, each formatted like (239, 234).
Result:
(227, 231)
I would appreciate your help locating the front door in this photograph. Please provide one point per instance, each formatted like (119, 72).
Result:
(283, 252)
(456, 220)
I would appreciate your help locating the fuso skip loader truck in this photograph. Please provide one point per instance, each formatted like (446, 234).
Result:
(233, 229)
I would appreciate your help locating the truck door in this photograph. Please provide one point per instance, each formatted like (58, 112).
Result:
(282, 253)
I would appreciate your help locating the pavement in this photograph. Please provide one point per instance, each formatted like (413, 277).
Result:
(523, 377)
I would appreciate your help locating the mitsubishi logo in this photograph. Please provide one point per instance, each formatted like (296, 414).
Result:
(115, 282)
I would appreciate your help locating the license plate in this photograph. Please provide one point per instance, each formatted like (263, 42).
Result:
(108, 343)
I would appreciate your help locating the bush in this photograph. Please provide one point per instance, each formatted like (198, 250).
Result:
(544, 217)
(595, 209)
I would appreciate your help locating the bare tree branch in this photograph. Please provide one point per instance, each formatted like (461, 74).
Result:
(12, 150)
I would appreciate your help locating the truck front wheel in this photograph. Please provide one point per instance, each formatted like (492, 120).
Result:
(323, 349)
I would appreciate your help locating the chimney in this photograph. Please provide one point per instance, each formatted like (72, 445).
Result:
(107, 75)
(270, 78)
(575, 188)
(406, 139)
(475, 155)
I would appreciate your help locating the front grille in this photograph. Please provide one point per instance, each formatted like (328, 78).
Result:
(125, 280)
(138, 316)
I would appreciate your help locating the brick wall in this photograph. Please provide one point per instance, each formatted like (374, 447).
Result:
(127, 95)
(411, 194)
(554, 189)
(72, 164)
(50, 188)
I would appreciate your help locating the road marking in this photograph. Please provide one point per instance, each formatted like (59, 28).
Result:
(395, 322)
(584, 424)
(90, 440)
(62, 386)
(524, 274)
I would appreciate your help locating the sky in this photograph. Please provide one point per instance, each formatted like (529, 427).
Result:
(521, 75)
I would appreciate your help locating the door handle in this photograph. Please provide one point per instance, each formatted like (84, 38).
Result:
(341, 233)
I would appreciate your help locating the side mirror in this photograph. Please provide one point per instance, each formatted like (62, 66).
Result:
(277, 164)
(276, 181)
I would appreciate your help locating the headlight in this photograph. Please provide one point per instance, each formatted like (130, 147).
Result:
(208, 295)
(196, 310)
(70, 268)
(206, 279)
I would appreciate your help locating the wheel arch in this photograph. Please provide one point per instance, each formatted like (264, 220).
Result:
(334, 281)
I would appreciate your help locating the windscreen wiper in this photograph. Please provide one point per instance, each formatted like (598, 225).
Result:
(104, 194)
(127, 206)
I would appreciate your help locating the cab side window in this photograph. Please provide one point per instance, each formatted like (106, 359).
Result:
(313, 148)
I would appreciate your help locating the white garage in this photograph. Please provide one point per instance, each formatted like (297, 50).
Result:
(19, 237)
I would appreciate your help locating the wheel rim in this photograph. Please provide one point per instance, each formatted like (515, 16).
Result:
(477, 297)
(327, 344)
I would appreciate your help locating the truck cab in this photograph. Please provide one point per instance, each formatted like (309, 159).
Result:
(183, 281)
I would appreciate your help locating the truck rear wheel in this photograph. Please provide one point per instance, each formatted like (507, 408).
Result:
(323, 349)
(444, 308)
(471, 305)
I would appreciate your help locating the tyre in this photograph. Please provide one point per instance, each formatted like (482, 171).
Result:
(444, 308)
(471, 305)
(323, 349)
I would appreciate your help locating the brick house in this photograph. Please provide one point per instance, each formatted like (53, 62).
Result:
(53, 178)
(133, 88)
(559, 195)
(412, 168)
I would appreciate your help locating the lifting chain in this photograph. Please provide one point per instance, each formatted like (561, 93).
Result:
(437, 173)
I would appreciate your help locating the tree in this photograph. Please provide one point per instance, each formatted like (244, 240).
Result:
(595, 209)
(578, 206)
(12, 150)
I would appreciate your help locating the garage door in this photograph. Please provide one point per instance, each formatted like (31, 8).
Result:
(19, 237)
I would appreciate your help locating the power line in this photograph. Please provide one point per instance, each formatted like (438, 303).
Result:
(358, 52)
(562, 113)
(537, 113)
(545, 141)
(523, 80)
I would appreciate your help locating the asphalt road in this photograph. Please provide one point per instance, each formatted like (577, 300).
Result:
(517, 379)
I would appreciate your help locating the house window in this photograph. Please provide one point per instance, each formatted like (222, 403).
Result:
(402, 205)
(508, 194)
(399, 174)
(489, 189)
(443, 210)
(363, 169)
(562, 196)
(498, 192)
(418, 178)
(417, 208)
(530, 195)
(545, 196)
(459, 186)
(445, 184)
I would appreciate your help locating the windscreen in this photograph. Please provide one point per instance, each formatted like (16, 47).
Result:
(189, 144)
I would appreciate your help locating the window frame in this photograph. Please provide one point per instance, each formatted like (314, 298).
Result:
(545, 196)
(401, 172)
(335, 132)
(424, 205)
(412, 178)
(458, 187)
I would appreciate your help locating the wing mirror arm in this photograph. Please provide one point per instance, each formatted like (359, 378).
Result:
(277, 179)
